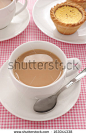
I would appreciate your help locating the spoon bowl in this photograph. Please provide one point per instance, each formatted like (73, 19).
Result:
(46, 104)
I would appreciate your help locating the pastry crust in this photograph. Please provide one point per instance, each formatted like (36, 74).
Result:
(65, 28)
(80, 2)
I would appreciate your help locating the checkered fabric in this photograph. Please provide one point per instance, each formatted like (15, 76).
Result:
(76, 117)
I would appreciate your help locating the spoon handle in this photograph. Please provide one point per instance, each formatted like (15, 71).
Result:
(76, 79)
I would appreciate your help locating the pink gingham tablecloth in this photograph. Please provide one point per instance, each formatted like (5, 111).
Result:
(73, 119)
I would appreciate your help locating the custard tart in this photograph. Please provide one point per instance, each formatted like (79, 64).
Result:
(67, 17)
(80, 2)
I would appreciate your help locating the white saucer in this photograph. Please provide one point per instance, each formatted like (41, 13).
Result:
(17, 105)
(41, 16)
(17, 25)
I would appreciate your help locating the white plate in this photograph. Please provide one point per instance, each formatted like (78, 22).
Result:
(41, 16)
(17, 105)
(17, 25)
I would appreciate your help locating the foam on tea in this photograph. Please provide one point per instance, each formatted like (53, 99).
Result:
(38, 68)
(4, 3)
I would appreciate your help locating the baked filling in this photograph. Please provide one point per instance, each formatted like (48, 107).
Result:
(68, 14)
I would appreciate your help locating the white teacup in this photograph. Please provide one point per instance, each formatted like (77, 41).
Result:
(45, 91)
(7, 13)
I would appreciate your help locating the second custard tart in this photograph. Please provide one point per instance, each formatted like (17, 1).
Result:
(80, 2)
(68, 17)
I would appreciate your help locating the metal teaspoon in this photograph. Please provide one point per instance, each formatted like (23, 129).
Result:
(47, 104)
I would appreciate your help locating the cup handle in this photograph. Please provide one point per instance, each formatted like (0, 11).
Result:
(73, 65)
(25, 4)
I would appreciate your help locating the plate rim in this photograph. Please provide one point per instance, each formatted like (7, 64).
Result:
(5, 39)
(68, 42)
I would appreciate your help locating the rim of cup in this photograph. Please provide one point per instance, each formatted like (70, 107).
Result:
(47, 86)
(7, 6)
